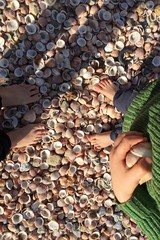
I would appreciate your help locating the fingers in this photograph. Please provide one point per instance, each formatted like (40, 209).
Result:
(124, 144)
(142, 167)
(122, 135)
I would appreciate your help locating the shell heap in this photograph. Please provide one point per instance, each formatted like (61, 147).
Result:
(61, 188)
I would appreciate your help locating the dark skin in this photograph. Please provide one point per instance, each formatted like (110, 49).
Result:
(124, 179)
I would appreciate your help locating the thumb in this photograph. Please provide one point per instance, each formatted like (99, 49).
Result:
(143, 166)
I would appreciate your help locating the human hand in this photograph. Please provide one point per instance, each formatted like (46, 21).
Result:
(124, 179)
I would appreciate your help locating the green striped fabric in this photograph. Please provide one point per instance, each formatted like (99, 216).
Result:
(144, 115)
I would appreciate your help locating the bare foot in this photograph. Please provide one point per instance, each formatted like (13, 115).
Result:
(29, 134)
(19, 94)
(100, 140)
(107, 88)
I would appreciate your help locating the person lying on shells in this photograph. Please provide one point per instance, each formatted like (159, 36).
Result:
(19, 95)
(138, 199)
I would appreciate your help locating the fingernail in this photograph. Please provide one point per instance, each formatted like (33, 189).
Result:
(148, 160)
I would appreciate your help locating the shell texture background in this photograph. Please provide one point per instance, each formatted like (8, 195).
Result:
(60, 188)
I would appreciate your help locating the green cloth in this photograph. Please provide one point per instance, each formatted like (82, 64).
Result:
(143, 115)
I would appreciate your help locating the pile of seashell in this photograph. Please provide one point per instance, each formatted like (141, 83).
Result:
(61, 189)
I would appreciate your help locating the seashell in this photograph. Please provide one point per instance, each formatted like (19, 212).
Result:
(43, 89)
(22, 235)
(12, 25)
(156, 61)
(46, 103)
(1, 40)
(44, 36)
(2, 4)
(112, 71)
(55, 175)
(18, 53)
(17, 218)
(31, 54)
(75, 3)
(18, 72)
(40, 47)
(81, 42)
(110, 61)
(39, 222)
(44, 154)
(46, 139)
(54, 160)
(57, 145)
(31, 28)
(77, 149)
(29, 18)
(14, 5)
(119, 45)
(50, 2)
(122, 80)
(134, 37)
(30, 116)
(65, 87)
(109, 47)
(39, 74)
(80, 134)
(45, 213)
(53, 225)
(24, 199)
(82, 29)
(61, 17)
(150, 5)
(4, 63)
(4, 73)
(60, 43)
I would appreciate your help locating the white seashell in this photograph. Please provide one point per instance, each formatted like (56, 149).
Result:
(156, 61)
(80, 134)
(30, 116)
(43, 89)
(50, 28)
(31, 28)
(1, 40)
(53, 225)
(109, 61)
(122, 80)
(106, 15)
(30, 150)
(134, 37)
(38, 65)
(31, 54)
(4, 63)
(82, 29)
(45, 213)
(44, 154)
(120, 70)
(57, 145)
(17, 218)
(79, 161)
(39, 222)
(18, 72)
(90, 128)
(46, 139)
(119, 45)
(40, 47)
(109, 47)
(77, 149)
(29, 18)
(60, 43)
(50, 2)
(39, 74)
(14, 5)
(2, 4)
(12, 25)
(18, 53)
(112, 71)
(50, 46)
(150, 5)
(83, 200)
(81, 42)
(55, 175)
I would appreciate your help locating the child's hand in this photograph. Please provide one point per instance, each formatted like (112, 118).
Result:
(124, 179)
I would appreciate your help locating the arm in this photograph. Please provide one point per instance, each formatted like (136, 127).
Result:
(134, 200)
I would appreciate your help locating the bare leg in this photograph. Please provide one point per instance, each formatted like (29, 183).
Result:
(107, 88)
(29, 134)
(100, 140)
(19, 94)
